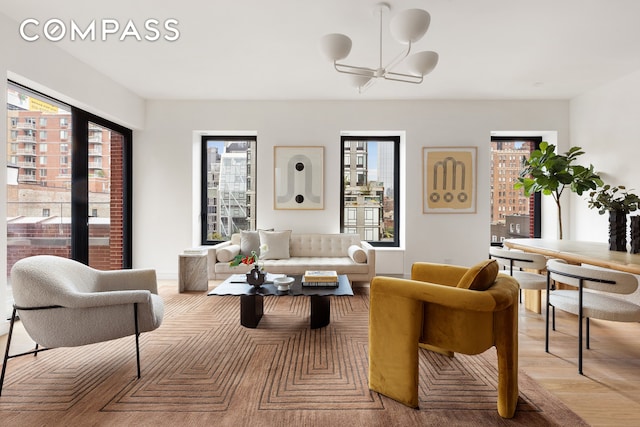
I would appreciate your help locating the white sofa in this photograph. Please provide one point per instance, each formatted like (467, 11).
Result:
(344, 253)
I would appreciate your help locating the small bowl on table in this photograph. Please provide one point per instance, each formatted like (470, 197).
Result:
(283, 283)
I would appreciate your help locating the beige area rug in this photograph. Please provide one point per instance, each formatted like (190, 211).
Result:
(201, 367)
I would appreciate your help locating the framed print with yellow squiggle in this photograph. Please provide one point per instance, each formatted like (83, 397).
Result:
(449, 179)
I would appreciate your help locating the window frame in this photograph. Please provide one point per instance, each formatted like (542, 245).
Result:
(360, 140)
(251, 183)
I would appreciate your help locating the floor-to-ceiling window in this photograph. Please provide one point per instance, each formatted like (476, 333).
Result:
(68, 188)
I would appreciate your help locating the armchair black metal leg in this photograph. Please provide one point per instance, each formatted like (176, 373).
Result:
(135, 315)
(6, 352)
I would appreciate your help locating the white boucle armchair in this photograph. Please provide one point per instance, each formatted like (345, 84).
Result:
(64, 303)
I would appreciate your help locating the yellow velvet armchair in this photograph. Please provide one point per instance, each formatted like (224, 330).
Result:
(447, 309)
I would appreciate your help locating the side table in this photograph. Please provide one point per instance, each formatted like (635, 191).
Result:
(192, 272)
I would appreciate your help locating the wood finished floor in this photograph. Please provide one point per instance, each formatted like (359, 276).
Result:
(608, 394)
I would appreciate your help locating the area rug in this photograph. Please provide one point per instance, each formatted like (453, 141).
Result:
(202, 367)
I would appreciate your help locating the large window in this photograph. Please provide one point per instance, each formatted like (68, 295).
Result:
(513, 215)
(68, 193)
(370, 187)
(228, 186)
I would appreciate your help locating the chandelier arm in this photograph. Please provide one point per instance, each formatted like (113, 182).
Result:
(364, 87)
(400, 77)
(352, 69)
(398, 59)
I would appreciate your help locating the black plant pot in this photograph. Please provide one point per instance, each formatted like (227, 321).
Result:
(635, 234)
(617, 231)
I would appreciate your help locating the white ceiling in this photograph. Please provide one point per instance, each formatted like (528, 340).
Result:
(258, 49)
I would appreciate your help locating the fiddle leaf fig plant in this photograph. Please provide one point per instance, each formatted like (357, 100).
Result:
(608, 198)
(550, 174)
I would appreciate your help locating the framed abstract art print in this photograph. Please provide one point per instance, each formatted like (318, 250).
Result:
(449, 179)
(298, 177)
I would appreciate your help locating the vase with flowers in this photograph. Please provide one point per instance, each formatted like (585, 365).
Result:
(256, 276)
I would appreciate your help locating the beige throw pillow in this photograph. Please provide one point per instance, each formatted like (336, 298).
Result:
(249, 241)
(276, 244)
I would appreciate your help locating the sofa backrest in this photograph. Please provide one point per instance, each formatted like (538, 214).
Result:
(332, 245)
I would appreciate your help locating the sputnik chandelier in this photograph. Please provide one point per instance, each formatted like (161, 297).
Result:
(407, 27)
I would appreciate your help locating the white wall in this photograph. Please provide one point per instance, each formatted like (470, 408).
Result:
(164, 193)
(606, 123)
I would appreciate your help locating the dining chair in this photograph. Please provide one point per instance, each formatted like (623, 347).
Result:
(516, 261)
(592, 299)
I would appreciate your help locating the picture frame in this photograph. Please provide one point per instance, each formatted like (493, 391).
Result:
(449, 179)
(298, 177)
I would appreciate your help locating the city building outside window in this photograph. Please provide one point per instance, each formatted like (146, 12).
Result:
(228, 186)
(513, 215)
(370, 188)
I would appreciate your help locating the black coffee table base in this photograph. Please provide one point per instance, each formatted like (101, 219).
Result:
(252, 309)
(320, 311)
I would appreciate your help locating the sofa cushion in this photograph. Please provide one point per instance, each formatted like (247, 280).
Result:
(275, 244)
(227, 253)
(249, 241)
(481, 276)
(357, 254)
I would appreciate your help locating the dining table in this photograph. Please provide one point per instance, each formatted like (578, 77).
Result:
(574, 252)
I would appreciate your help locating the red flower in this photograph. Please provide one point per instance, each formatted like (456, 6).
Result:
(247, 260)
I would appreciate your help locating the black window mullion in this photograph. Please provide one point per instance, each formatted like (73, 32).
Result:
(79, 186)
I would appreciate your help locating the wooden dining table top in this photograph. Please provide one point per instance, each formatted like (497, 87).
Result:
(579, 252)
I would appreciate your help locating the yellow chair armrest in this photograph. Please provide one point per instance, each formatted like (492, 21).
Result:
(434, 293)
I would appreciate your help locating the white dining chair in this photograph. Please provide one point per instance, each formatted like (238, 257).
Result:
(592, 298)
(515, 261)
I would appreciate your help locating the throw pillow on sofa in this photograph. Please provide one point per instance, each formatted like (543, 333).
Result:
(276, 244)
(249, 241)
(357, 254)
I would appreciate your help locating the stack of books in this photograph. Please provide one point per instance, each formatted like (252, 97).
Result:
(320, 278)
(194, 252)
